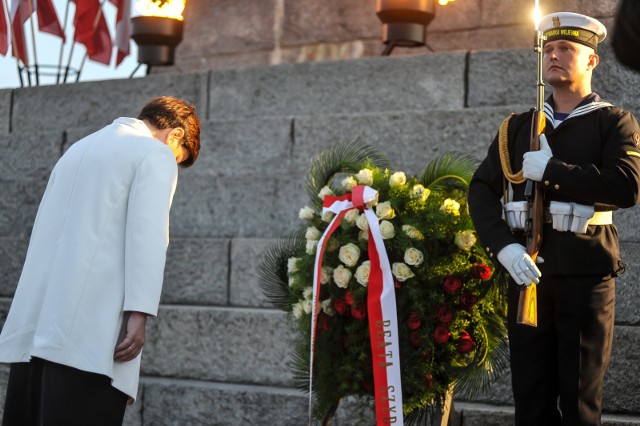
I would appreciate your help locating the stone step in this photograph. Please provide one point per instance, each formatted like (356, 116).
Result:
(434, 81)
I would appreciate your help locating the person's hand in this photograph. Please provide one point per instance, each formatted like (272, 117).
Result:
(536, 161)
(514, 257)
(131, 345)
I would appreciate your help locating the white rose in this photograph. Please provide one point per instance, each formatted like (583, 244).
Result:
(292, 281)
(412, 232)
(332, 245)
(397, 180)
(348, 183)
(306, 306)
(327, 307)
(351, 216)
(306, 213)
(327, 216)
(420, 193)
(313, 233)
(362, 223)
(307, 293)
(292, 265)
(363, 235)
(297, 310)
(451, 207)
(387, 230)
(465, 240)
(325, 276)
(401, 271)
(311, 246)
(362, 273)
(413, 256)
(325, 191)
(341, 276)
(385, 211)
(349, 254)
(365, 177)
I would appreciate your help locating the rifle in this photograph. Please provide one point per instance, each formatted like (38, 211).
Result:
(528, 304)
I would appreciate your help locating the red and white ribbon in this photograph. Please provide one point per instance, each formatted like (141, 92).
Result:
(381, 306)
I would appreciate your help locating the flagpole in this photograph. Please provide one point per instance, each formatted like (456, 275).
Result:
(96, 21)
(26, 52)
(64, 41)
(35, 51)
(13, 41)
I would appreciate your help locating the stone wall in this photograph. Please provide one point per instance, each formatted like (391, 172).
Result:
(218, 352)
(238, 33)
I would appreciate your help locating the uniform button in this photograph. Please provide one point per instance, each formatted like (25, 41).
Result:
(546, 182)
(487, 248)
(490, 254)
(556, 186)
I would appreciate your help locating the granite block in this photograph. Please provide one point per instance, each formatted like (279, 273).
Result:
(237, 206)
(410, 139)
(621, 381)
(219, 26)
(19, 203)
(628, 223)
(28, 155)
(12, 254)
(238, 345)
(312, 22)
(5, 110)
(366, 85)
(246, 256)
(205, 403)
(247, 147)
(95, 104)
(196, 272)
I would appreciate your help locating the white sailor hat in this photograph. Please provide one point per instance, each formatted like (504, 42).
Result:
(573, 27)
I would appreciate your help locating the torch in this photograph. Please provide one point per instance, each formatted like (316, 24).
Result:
(528, 304)
(157, 31)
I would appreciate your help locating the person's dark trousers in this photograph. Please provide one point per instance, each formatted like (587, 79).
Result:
(43, 393)
(558, 367)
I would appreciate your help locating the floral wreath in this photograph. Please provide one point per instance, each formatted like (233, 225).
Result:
(450, 304)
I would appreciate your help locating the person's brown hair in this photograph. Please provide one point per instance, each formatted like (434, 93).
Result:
(167, 112)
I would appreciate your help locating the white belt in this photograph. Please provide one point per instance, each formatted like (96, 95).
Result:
(565, 217)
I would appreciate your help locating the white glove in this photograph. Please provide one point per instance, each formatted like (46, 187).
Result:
(514, 257)
(536, 161)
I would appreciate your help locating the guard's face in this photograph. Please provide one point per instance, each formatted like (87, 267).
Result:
(567, 63)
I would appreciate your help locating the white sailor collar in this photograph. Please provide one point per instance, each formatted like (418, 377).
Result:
(591, 103)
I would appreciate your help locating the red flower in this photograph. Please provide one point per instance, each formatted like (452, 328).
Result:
(480, 271)
(413, 322)
(452, 284)
(324, 321)
(441, 334)
(468, 300)
(396, 283)
(444, 314)
(427, 379)
(348, 298)
(341, 306)
(465, 343)
(359, 312)
(415, 339)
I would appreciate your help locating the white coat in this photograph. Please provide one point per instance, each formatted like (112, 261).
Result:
(97, 250)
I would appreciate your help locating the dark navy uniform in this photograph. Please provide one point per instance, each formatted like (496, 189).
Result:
(596, 162)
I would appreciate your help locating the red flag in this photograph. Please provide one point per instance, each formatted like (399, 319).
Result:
(21, 10)
(92, 31)
(123, 28)
(4, 32)
(48, 18)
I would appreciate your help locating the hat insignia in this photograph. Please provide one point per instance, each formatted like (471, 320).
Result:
(556, 21)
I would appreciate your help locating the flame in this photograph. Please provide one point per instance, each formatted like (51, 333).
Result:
(444, 2)
(536, 14)
(162, 8)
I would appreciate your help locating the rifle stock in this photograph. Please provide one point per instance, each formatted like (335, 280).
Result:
(528, 303)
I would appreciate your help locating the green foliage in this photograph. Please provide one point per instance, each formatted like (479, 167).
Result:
(450, 304)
